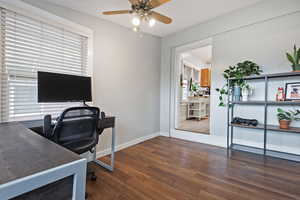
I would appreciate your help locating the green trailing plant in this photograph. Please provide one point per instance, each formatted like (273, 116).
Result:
(288, 115)
(222, 93)
(294, 58)
(238, 72)
(245, 85)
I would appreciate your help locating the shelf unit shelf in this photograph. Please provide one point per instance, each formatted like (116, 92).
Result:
(270, 76)
(265, 127)
(272, 153)
(269, 127)
(275, 103)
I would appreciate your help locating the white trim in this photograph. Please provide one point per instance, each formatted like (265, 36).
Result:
(90, 62)
(175, 74)
(165, 134)
(189, 64)
(193, 45)
(44, 16)
(119, 147)
(200, 138)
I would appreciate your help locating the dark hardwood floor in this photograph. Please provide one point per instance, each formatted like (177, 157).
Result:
(164, 169)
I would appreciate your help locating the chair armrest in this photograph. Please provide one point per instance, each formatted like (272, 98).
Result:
(47, 128)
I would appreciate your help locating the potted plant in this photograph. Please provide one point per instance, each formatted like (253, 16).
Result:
(294, 58)
(286, 117)
(247, 90)
(238, 72)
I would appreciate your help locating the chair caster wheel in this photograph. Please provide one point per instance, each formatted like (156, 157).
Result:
(94, 178)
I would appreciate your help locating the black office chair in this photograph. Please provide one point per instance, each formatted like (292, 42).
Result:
(76, 130)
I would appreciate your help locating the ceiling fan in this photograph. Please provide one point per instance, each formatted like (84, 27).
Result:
(142, 11)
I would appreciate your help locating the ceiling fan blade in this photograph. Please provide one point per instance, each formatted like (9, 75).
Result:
(134, 2)
(156, 3)
(117, 12)
(161, 18)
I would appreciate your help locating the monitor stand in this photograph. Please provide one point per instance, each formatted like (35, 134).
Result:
(84, 104)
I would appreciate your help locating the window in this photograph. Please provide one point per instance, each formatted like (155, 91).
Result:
(28, 46)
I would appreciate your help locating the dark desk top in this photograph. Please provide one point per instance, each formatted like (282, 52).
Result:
(37, 125)
(23, 153)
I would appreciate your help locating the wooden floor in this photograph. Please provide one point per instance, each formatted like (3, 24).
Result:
(196, 126)
(164, 168)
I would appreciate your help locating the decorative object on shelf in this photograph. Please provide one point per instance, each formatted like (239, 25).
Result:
(242, 121)
(294, 58)
(247, 91)
(286, 117)
(237, 73)
(236, 93)
(292, 91)
(280, 94)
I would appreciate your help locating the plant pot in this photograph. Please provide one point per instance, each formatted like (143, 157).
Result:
(296, 68)
(236, 93)
(284, 124)
(245, 97)
(245, 94)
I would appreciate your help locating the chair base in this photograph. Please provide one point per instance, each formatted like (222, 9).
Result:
(93, 177)
(90, 175)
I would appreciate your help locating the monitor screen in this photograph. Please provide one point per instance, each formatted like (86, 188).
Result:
(53, 87)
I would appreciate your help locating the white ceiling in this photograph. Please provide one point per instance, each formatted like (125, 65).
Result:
(185, 13)
(204, 54)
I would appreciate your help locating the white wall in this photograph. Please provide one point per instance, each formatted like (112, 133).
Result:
(261, 33)
(126, 74)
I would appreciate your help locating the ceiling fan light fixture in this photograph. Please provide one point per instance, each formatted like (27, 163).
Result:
(136, 21)
(151, 22)
(141, 11)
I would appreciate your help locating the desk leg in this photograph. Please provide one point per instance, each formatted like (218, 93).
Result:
(77, 169)
(79, 182)
(112, 155)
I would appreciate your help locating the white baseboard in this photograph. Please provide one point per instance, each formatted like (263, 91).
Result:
(165, 134)
(221, 141)
(201, 138)
(127, 144)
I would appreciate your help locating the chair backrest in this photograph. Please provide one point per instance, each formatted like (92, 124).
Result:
(76, 128)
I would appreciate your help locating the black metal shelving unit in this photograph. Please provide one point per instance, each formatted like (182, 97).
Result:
(265, 127)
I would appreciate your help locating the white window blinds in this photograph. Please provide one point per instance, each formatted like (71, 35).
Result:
(28, 46)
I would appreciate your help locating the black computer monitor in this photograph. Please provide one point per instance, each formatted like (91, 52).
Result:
(53, 87)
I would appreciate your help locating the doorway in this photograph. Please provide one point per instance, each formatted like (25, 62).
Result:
(192, 113)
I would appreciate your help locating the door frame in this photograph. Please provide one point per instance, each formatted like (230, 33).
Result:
(175, 82)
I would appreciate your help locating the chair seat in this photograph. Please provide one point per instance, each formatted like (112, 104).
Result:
(81, 146)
